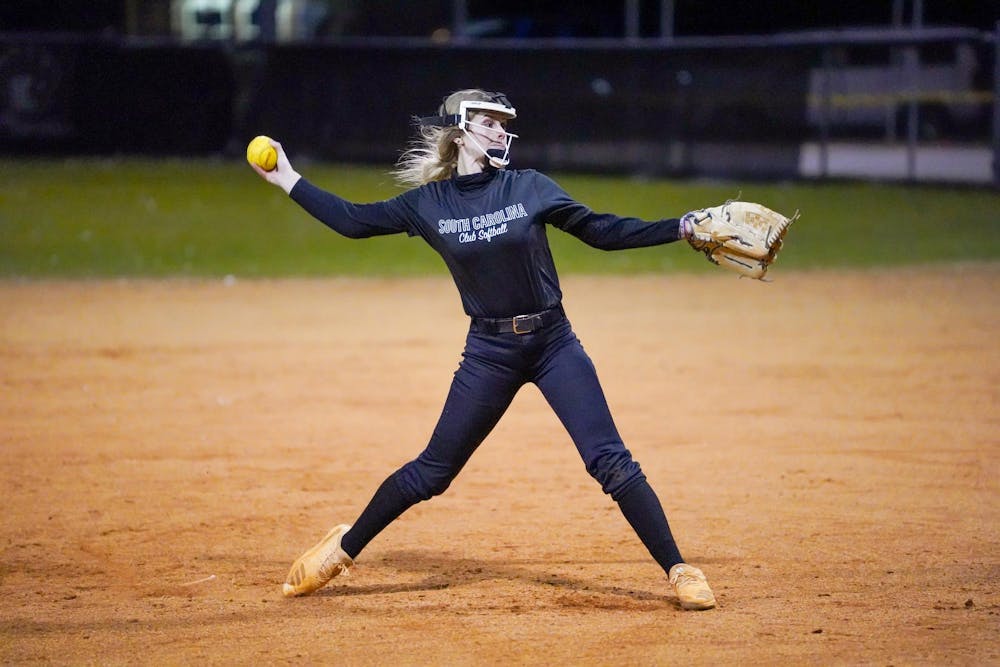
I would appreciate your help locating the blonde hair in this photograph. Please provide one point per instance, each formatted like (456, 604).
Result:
(433, 154)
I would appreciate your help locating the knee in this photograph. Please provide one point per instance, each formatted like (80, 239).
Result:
(419, 481)
(616, 472)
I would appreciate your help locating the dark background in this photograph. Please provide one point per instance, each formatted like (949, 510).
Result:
(111, 77)
(538, 18)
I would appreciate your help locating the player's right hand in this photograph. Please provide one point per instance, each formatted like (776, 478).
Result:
(283, 175)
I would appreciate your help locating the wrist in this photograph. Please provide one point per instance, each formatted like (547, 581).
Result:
(288, 181)
(686, 226)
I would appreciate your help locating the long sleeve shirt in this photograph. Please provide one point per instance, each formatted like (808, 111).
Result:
(490, 229)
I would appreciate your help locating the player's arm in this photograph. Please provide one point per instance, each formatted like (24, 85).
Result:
(351, 220)
(605, 231)
(356, 221)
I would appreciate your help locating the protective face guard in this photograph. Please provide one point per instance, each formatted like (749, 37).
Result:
(498, 105)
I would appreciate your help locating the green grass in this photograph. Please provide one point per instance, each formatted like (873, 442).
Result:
(130, 217)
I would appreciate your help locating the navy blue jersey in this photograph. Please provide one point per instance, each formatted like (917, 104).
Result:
(490, 230)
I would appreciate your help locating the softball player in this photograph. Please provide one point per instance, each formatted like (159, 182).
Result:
(489, 225)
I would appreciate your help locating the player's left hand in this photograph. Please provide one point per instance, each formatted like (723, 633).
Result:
(742, 236)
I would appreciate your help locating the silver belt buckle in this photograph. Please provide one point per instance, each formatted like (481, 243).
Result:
(522, 318)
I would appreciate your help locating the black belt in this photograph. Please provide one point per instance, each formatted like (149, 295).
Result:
(519, 324)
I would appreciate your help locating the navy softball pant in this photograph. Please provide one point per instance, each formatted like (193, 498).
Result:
(494, 367)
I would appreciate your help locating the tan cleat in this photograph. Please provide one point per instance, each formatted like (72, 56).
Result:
(691, 587)
(319, 565)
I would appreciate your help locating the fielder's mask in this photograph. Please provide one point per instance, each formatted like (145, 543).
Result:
(497, 104)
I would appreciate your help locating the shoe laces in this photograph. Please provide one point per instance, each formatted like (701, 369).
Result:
(687, 576)
(337, 560)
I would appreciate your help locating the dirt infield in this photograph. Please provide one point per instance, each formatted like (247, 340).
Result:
(827, 451)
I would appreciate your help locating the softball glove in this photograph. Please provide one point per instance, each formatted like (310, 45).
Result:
(738, 235)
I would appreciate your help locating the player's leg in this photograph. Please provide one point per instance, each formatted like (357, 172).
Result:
(480, 393)
(482, 389)
(569, 382)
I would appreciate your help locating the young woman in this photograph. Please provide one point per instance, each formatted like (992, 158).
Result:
(489, 225)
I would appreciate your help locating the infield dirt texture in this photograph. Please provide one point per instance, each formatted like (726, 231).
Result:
(826, 448)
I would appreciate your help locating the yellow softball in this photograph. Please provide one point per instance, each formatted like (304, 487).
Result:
(261, 153)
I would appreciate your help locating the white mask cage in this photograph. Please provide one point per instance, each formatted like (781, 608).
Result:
(500, 107)
(467, 108)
